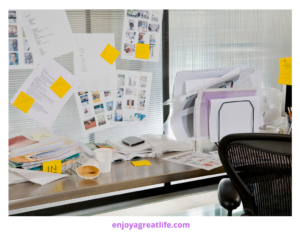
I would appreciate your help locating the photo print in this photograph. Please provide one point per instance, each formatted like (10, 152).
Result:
(109, 117)
(82, 93)
(132, 13)
(28, 59)
(144, 14)
(142, 94)
(131, 81)
(139, 117)
(13, 44)
(121, 80)
(128, 117)
(13, 58)
(130, 104)
(154, 19)
(101, 119)
(119, 105)
(96, 96)
(26, 45)
(109, 105)
(84, 99)
(130, 36)
(12, 17)
(151, 53)
(141, 38)
(86, 111)
(130, 91)
(129, 49)
(152, 39)
(131, 25)
(99, 108)
(12, 31)
(143, 81)
(107, 93)
(142, 26)
(141, 104)
(153, 27)
(118, 116)
(120, 92)
(89, 123)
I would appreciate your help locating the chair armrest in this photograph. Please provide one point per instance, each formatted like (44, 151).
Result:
(228, 195)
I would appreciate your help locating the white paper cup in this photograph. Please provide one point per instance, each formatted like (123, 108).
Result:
(103, 156)
(89, 170)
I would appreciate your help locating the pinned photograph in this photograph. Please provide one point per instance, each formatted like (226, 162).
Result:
(128, 117)
(90, 123)
(141, 104)
(130, 36)
(13, 58)
(12, 31)
(132, 13)
(84, 99)
(86, 112)
(143, 81)
(96, 96)
(130, 104)
(129, 49)
(151, 53)
(152, 40)
(101, 120)
(28, 59)
(119, 105)
(99, 108)
(139, 117)
(153, 27)
(82, 93)
(154, 19)
(130, 91)
(142, 26)
(141, 38)
(107, 93)
(120, 92)
(13, 44)
(144, 14)
(118, 116)
(131, 25)
(131, 81)
(109, 117)
(109, 105)
(142, 94)
(121, 80)
(12, 17)
(26, 45)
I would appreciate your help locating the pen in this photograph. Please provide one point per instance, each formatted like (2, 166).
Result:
(290, 114)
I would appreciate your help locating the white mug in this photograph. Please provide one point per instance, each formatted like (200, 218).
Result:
(103, 156)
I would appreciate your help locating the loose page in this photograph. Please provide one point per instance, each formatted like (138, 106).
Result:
(141, 34)
(94, 72)
(45, 92)
(95, 110)
(131, 98)
(49, 33)
(20, 51)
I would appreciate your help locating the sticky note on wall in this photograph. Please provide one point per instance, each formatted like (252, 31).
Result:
(23, 102)
(142, 51)
(110, 54)
(285, 73)
(52, 166)
(60, 87)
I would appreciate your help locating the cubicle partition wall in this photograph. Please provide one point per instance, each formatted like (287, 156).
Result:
(68, 121)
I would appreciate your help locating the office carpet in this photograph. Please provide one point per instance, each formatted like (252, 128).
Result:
(168, 207)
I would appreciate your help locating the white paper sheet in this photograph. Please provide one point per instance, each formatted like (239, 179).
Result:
(235, 117)
(94, 72)
(20, 175)
(141, 26)
(47, 104)
(20, 51)
(131, 98)
(49, 33)
(194, 84)
(95, 110)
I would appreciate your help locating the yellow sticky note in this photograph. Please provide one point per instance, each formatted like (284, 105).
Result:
(23, 102)
(141, 163)
(110, 54)
(285, 73)
(60, 87)
(142, 51)
(52, 166)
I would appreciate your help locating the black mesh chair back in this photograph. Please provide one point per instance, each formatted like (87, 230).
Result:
(260, 168)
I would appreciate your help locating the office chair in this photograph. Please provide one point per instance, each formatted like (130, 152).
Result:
(260, 170)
